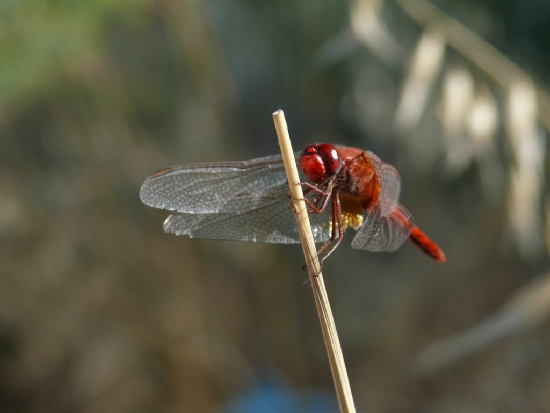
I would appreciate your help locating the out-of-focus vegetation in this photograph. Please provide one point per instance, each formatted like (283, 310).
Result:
(102, 311)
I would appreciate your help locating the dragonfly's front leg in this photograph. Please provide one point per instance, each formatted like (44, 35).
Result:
(323, 196)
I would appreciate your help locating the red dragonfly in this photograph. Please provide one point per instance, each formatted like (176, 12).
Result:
(249, 201)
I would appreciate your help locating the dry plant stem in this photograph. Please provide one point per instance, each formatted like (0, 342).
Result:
(336, 358)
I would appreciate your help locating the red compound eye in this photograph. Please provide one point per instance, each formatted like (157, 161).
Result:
(331, 158)
(320, 161)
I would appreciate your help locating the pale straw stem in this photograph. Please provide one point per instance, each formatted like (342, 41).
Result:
(335, 356)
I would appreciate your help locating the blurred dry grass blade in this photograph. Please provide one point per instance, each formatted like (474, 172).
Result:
(422, 72)
(483, 120)
(470, 122)
(527, 105)
(479, 52)
(463, 40)
(371, 31)
(526, 184)
(482, 126)
(529, 308)
(458, 92)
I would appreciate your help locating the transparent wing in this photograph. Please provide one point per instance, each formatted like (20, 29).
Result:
(390, 183)
(273, 223)
(379, 233)
(217, 187)
(245, 201)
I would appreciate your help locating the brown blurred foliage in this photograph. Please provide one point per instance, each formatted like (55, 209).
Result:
(102, 311)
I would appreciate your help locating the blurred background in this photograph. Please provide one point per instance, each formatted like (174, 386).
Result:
(101, 311)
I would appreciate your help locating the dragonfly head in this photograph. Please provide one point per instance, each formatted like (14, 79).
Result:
(320, 161)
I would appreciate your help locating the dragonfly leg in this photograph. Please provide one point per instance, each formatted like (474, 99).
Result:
(312, 206)
(323, 196)
(337, 225)
(337, 232)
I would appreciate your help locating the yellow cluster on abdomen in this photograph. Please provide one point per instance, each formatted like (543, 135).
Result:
(352, 220)
(349, 220)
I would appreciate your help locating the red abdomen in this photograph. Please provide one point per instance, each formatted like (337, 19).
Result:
(422, 241)
(418, 238)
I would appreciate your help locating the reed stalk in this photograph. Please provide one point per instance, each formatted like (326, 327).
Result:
(330, 335)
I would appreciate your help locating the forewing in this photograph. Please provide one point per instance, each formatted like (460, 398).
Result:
(273, 223)
(379, 233)
(230, 187)
(244, 201)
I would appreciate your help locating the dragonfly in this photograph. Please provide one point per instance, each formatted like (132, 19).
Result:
(344, 187)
